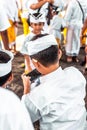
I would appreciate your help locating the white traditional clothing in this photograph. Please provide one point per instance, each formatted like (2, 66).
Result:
(4, 23)
(55, 26)
(25, 8)
(58, 102)
(33, 19)
(7, 66)
(11, 9)
(13, 115)
(41, 44)
(43, 10)
(59, 3)
(24, 47)
(62, 4)
(73, 18)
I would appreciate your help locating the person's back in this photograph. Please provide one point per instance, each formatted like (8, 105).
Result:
(59, 103)
(4, 25)
(13, 115)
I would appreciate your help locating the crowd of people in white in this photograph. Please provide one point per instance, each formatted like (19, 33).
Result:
(57, 101)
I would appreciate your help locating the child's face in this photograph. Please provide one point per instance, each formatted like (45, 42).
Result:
(37, 27)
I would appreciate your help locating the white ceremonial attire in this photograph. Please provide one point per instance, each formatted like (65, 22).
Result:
(25, 8)
(73, 18)
(13, 114)
(58, 102)
(24, 46)
(11, 9)
(61, 3)
(55, 26)
(43, 10)
(4, 23)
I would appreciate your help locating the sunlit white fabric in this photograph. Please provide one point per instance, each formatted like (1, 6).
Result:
(13, 115)
(58, 102)
(5, 68)
(4, 23)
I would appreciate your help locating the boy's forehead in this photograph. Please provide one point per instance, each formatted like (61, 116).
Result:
(39, 23)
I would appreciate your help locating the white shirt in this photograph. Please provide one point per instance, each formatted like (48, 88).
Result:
(58, 102)
(10, 6)
(84, 6)
(4, 23)
(25, 8)
(73, 15)
(24, 47)
(55, 26)
(60, 3)
(13, 115)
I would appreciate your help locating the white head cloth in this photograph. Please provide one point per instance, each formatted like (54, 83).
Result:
(5, 68)
(41, 44)
(37, 18)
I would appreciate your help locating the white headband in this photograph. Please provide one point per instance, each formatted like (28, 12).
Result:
(41, 44)
(38, 19)
(5, 68)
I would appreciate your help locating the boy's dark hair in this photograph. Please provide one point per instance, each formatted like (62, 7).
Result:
(4, 58)
(48, 56)
(4, 78)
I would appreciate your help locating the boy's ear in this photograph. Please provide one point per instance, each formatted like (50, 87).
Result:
(59, 54)
(10, 78)
(37, 64)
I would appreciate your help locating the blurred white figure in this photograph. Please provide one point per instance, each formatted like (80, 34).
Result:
(11, 8)
(4, 25)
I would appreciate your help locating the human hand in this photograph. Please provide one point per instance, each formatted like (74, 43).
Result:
(26, 83)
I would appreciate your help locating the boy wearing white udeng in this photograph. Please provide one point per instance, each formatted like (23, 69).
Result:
(58, 102)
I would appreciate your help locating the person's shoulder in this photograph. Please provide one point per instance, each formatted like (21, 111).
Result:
(74, 73)
(29, 37)
(8, 99)
(8, 94)
(72, 69)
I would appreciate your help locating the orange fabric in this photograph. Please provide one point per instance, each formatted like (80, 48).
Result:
(64, 34)
(0, 38)
(25, 26)
(83, 39)
(11, 32)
